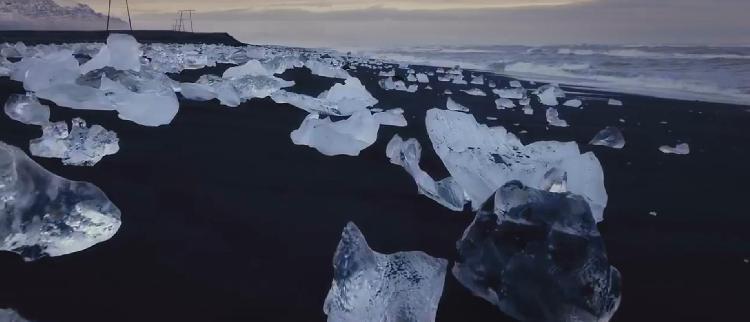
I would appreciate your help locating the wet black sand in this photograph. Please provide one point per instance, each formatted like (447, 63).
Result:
(224, 219)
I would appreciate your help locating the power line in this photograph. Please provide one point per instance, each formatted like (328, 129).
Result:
(109, 14)
(180, 22)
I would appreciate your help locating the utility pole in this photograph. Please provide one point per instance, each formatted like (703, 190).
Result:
(180, 21)
(109, 14)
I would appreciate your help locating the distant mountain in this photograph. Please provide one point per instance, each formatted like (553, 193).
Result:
(49, 15)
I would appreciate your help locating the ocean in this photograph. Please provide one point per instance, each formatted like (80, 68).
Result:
(710, 74)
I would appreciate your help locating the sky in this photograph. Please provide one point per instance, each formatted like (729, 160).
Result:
(390, 23)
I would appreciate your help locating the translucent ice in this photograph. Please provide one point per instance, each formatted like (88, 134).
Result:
(345, 137)
(372, 287)
(539, 258)
(609, 137)
(389, 84)
(8, 315)
(475, 92)
(349, 97)
(326, 70)
(573, 103)
(546, 95)
(514, 93)
(682, 148)
(553, 118)
(251, 68)
(614, 102)
(81, 146)
(478, 80)
(26, 109)
(42, 214)
(515, 84)
(408, 154)
(46, 70)
(197, 92)
(122, 52)
(453, 106)
(481, 159)
(390, 118)
(503, 103)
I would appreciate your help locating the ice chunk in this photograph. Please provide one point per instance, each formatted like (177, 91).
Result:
(197, 92)
(325, 70)
(527, 110)
(226, 92)
(682, 148)
(546, 95)
(453, 106)
(8, 315)
(122, 52)
(525, 102)
(540, 258)
(411, 78)
(250, 86)
(390, 73)
(481, 159)
(345, 137)
(42, 214)
(251, 68)
(553, 118)
(144, 98)
(573, 103)
(475, 92)
(609, 137)
(390, 118)
(81, 146)
(307, 103)
(349, 97)
(515, 84)
(614, 102)
(372, 287)
(422, 78)
(478, 80)
(389, 84)
(514, 93)
(502, 103)
(26, 109)
(408, 154)
(44, 71)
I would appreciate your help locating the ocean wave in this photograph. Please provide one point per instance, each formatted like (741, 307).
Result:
(638, 53)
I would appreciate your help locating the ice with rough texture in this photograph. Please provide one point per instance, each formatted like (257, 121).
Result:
(81, 146)
(546, 95)
(423, 78)
(478, 80)
(482, 159)
(408, 154)
(454, 106)
(514, 93)
(252, 67)
(27, 109)
(390, 118)
(122, 52)
(515, 84)
(682, 149)
(46, 70)
(390, 85)
(8, 315)
(326, 70)
(503, 103)
(553, 118)
(475, 92)
(350, 97)
(372, 287)
(197, 92)
(345, 137)
(42, 214)
(610, 137)
(540, 257)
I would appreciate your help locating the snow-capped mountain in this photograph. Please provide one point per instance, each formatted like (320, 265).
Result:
(48, 14)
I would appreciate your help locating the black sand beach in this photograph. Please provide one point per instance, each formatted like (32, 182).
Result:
(224, 219)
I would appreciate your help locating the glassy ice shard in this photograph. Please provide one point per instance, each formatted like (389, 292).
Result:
(610, 137)
(82, 146)
(372, 287)
(26, 109)
(42, 214)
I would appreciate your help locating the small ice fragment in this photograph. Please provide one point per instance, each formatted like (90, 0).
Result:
(492, 118)
(390, 73)
(682, 148)
(610, 137)
(663, 122)
(492, 84)
(197, 92)
(390, 118)
(46, 215)
(453, 106)
(372, 287)
(503, 103)
(448, 92)
(26, 109)
(546, 95)
(250, 68)
(527, 110)
(539, 257)
(349, 97)
(411, 78)
(345, 137)
(515, 84)
(614, 102)
(525, 102)
(652, 213)
(8, 315)
(622, 120)
(422, 78)
(573, 103)
(475, 92)
(82, 146)
(514, 93)
(478, 80)
(553, 118)
(324, 69)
